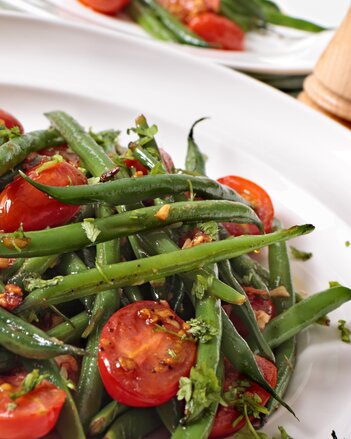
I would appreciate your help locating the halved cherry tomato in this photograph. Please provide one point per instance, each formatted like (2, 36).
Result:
(260, 200)
(21, 203)
(10, 121)
(109, 7)
(141, 359)
(35, 413)
(223, 423)
(218, 30)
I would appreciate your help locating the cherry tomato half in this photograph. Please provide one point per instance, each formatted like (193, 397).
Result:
(218, 30)
(223, 423)
(109, 7)
(10, 121)
(21, 203)
(141, 359)
(35, 413)
(260, 200)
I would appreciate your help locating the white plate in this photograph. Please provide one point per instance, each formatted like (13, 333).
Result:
(277, 51)
(299, 156)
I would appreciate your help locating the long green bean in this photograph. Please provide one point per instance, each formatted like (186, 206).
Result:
(102, 420)
(75, 236)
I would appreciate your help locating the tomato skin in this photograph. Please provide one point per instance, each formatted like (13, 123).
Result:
(108, 7)
(36, 413)
(134, 357)
(222, 426)
(10, 121)
(218, 30)
(21, 203)
(260, 200)
(133, 163)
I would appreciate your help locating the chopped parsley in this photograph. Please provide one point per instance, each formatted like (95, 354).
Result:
(33, 283)
(145, 134)
(299, 254)
(210, 228)
(31, 381)
(7, 134)
(200, 285)
(90, 229)
(199, 391)
(201, 330)
(344, 331)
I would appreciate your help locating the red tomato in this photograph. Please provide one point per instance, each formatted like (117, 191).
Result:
(223, 423)
(141, 364)
(36, 412)
(218, 30)
(21, 203)
(133, 163)
(260, 200)
(10, 121)
(109, 7)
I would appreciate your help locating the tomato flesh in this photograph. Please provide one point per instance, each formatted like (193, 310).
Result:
(223, 423)
(141, 363)
(109, 7)
(218, 30)
(22, 204)
(260, 200)
(36, 412)
(10, 121)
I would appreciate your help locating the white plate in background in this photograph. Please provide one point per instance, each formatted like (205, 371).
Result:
(300, 157)
(277, 51)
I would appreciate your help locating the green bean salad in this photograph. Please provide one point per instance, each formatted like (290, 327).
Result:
(132, 296)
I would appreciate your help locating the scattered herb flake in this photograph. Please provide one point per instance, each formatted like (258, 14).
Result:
(347, 243)
(345, 332)
(200, 285)
(199, 391)
(201, 330)
(210, 228)
(90, 229)
(299, 254)
(145, 134)
(32, 283)
(32, 380)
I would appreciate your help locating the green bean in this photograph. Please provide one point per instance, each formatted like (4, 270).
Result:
(251, 8)
(246, 22)
(209, 354)
(71, 330)
(74, 236)
(280, 19)
(72, 264)
(170, 413)
(246, 269)
(145, 17)
(90, 387)
(7, 361)
(245, 313)
(32, 268)
(26, 340)
(105, 417)
(7, 273)
(133, 424)
(127, 191)
(280, 275)
(242, 358)
(16, 150)
(132, 293)
(140, 271)
(68, 424)
(299, 316)
(195, 160)
(183, 34)
(80, 142)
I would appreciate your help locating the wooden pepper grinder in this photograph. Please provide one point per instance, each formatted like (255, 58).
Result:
(328, 88)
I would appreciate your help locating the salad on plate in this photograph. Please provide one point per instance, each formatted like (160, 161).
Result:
(136, 294)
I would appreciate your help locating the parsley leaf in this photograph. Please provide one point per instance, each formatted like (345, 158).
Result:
(90, 229)
(210, 228)
(7, 134)
(200, 285)
(199, 391)
(31, 381)
(32, 283)
(300, 255)
(201, 330)
(145, 134)
(345, 332)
